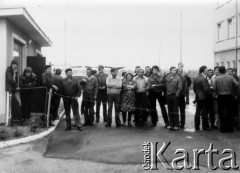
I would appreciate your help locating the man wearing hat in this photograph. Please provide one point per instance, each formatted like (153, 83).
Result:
(72, 91)
(47, 80)
(11, 87)
(102, 93)
(90, 88)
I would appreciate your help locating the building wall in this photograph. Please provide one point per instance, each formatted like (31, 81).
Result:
(3, 65)
(7, 34)
(225, 37)
(226, 58)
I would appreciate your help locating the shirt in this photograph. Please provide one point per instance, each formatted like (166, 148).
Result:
(156, 83)
(71, 87)
(101, 78)
(91, 85)
(114, 85)
(224, 84)
(141, 83)
(173, 84)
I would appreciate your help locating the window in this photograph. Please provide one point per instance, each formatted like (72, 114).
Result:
(231, 27)
(220, 33)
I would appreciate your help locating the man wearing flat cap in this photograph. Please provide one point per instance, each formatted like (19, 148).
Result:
(102, 93)
(47, 80)
(89, 85)
(72, 91)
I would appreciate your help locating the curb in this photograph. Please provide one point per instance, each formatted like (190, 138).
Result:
(33, 137)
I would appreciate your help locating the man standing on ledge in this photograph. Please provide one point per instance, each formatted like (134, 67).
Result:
(174, 88)
(114, 85)
(72, 91)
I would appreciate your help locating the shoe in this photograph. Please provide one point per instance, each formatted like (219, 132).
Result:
(124, 124)
(85, 124)
(51, 124)
(107, 125)
(68, 128)
(175, 128)
(80, 128)
(166, 125)
(170, 127)
(118, 125)
(97, 120)
(182, 126)
(153, 124)
(129, 124)
(197, 129)
(74, 125)
(91, 124)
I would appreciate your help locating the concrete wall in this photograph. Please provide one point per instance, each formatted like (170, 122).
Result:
(9, 32)
(3, 65)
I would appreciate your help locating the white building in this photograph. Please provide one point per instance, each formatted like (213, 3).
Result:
(227, 34)
(20, 37)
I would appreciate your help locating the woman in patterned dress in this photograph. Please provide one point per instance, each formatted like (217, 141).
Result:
(128, 98)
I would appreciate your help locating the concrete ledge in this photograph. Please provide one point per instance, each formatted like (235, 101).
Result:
(33, 137)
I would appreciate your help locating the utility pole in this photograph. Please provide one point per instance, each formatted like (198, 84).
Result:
(236, 38)
(181, 38)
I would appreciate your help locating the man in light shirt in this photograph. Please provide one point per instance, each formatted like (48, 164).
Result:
(114, 85)
(141, 98)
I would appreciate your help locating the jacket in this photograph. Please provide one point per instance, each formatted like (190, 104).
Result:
(184, 86)
(201, 87)
(10, 81)
(174, 85)
(71, 87)
(91, 85)
(101, 78)
(24, 81)
(156, 83)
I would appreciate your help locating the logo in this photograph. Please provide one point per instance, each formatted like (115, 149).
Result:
(154, 155)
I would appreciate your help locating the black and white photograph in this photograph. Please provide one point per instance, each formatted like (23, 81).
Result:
(118, 86)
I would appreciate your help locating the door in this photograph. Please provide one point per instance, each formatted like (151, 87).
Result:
(37, 64)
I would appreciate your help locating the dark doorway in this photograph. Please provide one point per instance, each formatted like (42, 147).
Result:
(37, 64)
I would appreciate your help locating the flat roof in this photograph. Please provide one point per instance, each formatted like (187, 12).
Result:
(22, 19)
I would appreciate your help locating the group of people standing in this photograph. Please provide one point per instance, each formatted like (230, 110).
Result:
(217, 99)
(134, 96)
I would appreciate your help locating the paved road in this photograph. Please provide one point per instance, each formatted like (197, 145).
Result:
(113, 150)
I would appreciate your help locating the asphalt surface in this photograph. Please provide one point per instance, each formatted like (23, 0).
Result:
(100, 149)
(124, 145)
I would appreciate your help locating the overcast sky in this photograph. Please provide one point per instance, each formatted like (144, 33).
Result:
(126, 32)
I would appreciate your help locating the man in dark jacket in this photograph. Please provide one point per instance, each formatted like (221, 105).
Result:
(90, 88)
(12, 87)
(202, 90)
(102, 93)
(72, 91)
(224, 86)
(182, 103)
(174, 89)
(47, 80)
(27, 80)
(57, 81)
(156, 92)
